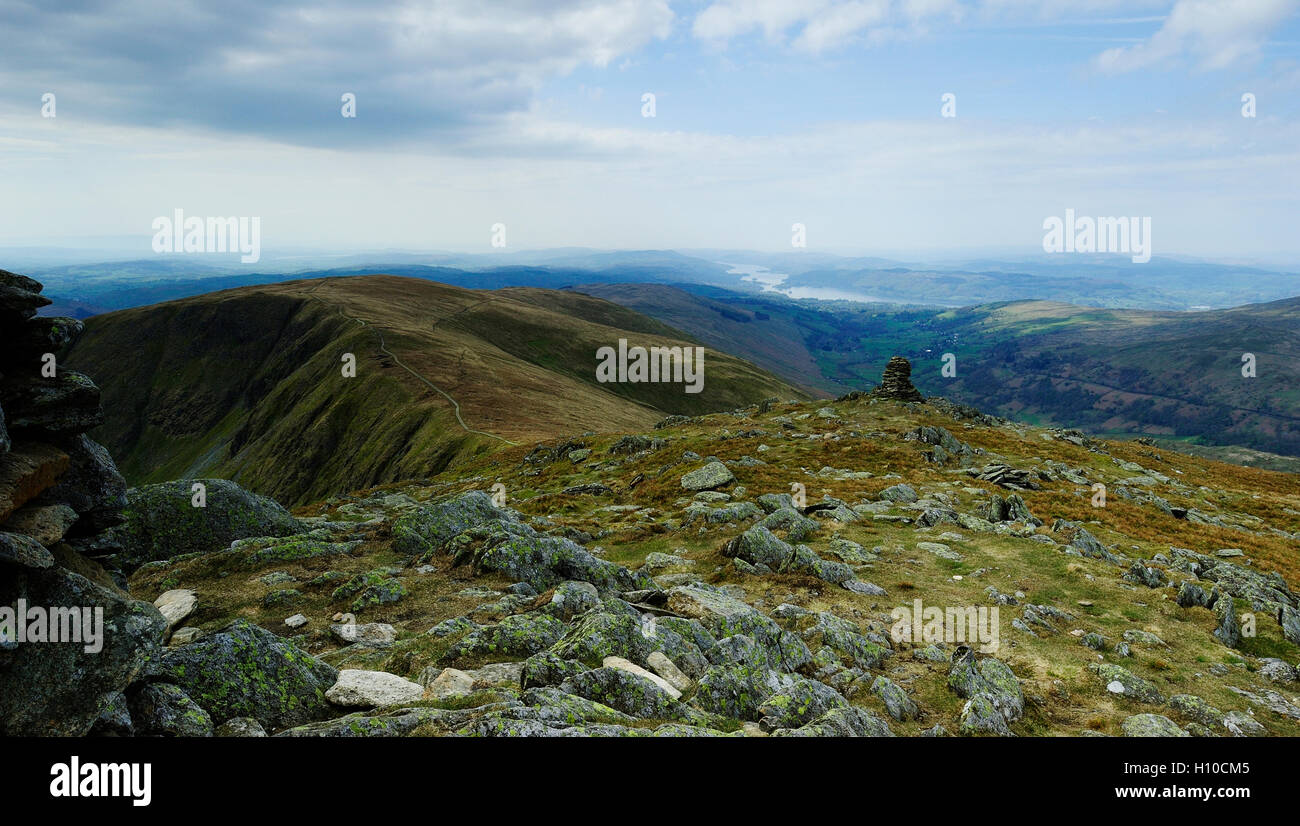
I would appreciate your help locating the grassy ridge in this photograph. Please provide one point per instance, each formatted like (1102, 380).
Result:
(247, 383)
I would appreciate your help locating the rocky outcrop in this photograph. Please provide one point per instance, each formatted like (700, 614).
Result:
(59, 494)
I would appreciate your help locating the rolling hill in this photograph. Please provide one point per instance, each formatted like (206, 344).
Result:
(1171, 375)
(248, 383)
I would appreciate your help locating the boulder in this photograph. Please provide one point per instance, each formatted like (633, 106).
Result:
(713, 475)
(356, 688)
(161, 523)
(246, 671)
(47, 524)
(26, 471)
(1151, 725)
(58, 689)
(175, 605)
(164, 710)
(428, 529)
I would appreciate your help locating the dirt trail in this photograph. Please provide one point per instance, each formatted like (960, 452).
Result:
(384, 349)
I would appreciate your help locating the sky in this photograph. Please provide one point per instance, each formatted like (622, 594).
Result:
(533, 115)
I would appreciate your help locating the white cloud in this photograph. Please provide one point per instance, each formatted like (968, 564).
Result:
(277, 67)
(1213, 33)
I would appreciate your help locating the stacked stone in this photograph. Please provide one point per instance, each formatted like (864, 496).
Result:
(896, 382)
(59, 494)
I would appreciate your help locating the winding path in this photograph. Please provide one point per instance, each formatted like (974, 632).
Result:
(383, 348)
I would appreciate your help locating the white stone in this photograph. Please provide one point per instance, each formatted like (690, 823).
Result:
(296, 621)
(667, 669)
(368, 689)
(631, 667)
(449, 683)
(176, 605)
(373, 634)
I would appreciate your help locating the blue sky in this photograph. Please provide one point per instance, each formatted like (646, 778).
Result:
(824, 112)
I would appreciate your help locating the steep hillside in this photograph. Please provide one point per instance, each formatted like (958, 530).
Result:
(248, 383)
(1173, 375)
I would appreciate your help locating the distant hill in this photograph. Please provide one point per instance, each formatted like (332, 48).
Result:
(1174, 375)
(247, 383)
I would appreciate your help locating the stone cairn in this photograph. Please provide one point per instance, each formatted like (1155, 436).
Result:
(60, 492)
(895, 384)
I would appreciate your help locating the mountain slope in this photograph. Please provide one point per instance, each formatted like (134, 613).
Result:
(248, 383)
(1173, 375)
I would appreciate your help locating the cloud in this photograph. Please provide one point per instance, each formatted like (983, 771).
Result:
(277, 68)
(1213, 33)
(821, 25)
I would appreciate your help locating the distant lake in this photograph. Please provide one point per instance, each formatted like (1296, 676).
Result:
(771, 283)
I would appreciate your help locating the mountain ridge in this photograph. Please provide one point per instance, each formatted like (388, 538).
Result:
(247, 383)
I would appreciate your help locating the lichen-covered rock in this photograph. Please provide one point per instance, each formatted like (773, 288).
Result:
(62, 406)
(1192, 595)
(733, 512)
(514, 638)
(427, 530)
(544, 561)
(713, 475)
(795, 701)
(548, 669)
(981, 715)
(772, 698)
(1228, 632)
(59, 690)
(1088, 545)
(795, 526)
(572, 598)
(759, 546)
(114, 718)
(625, 691)
(1119, 680)
(246, 671)
(91, 486)
(902, 493)
(240, 727)
(164, 710)
(1241, 724)
(844, 638)
(607, 632)
(990, 684)
(770, 502)
(370, 589)
(1263, 591)
(1289, 620)
(841, 721)
(161, 522)
(554, 705)
(23, 551)
(897, 703)
(1151, 725)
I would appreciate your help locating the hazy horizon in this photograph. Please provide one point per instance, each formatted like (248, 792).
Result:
(830, 114)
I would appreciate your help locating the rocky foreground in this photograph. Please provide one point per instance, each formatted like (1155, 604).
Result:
(726, 575)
